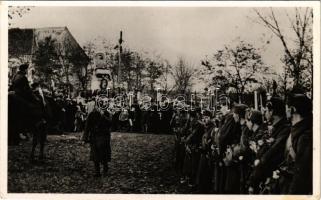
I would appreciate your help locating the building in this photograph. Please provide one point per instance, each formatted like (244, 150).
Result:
(23, 43)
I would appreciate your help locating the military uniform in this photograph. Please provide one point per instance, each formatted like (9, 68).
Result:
(257, 151)
(204, 174)
(97, 133)
(273, 156)
(297, 174)
(229, 136)
(193, 141)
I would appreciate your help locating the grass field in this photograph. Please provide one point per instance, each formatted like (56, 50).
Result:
(141, 163)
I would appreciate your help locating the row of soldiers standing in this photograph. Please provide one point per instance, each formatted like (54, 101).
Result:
(246, 151)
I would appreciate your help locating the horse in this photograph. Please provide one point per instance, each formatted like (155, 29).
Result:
(25, 115)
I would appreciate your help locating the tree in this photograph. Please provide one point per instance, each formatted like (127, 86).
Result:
(138, 70)
(45, 59)
(183, 76)
(299, 59)
(235, 67)
(17, 11)
(154, 70)
(165, 77)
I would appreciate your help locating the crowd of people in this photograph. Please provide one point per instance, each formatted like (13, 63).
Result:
(246, 151)
(241, 151)
(71, 117)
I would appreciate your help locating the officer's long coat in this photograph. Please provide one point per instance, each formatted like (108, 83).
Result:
(272, 158)
(300, 161)
(97, 133)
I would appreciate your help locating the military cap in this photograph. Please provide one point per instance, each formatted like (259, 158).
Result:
(301, 103)
(207, 113)
(240, 109)
(276, 104)
(256, 117)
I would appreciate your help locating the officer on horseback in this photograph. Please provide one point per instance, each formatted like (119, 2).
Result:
(20, 83)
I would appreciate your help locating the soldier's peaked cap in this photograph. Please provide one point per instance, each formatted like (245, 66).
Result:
(240, 109)
(207, 113)
(277, 104)
(256, 117)
(301, 102)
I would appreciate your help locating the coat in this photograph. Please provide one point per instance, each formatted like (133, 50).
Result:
(232, 170)
(97, 133)
(299, 159)
(20, 85)
(272, 158)
(193, 141)
(204, 173)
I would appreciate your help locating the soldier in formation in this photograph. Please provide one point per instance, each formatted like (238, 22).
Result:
(246, 151)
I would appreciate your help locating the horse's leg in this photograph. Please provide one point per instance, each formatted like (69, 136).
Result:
(42, 139)
(41, 153)
(34, 145)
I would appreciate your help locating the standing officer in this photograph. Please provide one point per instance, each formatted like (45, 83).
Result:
(297, 176)
(279, 132)
(97, 133)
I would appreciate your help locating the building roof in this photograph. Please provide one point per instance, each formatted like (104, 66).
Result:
(25, 42)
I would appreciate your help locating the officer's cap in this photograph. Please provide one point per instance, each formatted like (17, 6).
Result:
(256, 117)
(301, 103)
(240, 109)
(276, 104)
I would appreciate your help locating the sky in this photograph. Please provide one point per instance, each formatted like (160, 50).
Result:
(172, 32)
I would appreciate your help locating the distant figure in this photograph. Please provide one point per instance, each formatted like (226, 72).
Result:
(124, 120)
(79, 118)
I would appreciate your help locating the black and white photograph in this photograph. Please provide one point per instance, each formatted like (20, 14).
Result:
(155, 99)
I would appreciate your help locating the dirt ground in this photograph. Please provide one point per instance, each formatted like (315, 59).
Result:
(141, 163)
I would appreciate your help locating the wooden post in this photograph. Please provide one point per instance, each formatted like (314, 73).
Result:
(120, 41)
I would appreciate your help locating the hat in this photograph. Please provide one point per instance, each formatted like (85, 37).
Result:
(240, 109)
(23, 67)
(276, 104)
(256, 117)
(301, 103)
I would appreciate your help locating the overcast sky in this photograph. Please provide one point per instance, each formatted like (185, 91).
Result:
(172, 32)
(188, 32)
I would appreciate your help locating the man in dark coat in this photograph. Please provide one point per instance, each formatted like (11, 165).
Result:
(193, 142)
(22, 105)
(97, 133)
(232, 180)
(297, 176)
(204, 173)
(256, 126)
(20, 83)
(279, 132)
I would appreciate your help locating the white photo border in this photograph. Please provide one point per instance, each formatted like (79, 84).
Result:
(4, 94)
